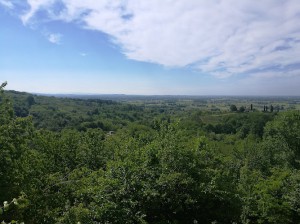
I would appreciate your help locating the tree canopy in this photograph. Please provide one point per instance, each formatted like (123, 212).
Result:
(102, 163)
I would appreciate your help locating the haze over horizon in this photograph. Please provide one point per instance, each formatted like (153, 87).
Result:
(171, 47)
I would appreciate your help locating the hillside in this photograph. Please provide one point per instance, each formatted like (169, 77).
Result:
(149, 159)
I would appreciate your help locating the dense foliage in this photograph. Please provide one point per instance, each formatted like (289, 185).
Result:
(101, 161)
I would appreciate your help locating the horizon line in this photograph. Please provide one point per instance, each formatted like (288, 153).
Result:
(169, 95)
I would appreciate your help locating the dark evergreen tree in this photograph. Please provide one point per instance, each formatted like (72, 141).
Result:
(271, 108)
(242, 109)
(233, 108)
(30, 100)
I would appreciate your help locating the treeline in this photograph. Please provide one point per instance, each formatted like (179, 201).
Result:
(187, 167)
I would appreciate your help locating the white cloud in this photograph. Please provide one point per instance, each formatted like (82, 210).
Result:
(35, 6)
(219, 37)
(7, 4)
(54, 38)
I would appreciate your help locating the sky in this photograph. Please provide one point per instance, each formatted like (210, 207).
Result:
(157, 47)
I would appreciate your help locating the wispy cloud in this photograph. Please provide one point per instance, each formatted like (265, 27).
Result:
(54, 38)
(7, 4)
(35, 6)
(223, 38)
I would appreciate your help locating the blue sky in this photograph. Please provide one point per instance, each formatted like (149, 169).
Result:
(193, 47)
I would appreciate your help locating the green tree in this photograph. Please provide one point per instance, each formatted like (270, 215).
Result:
(286, 126)
(30, 100)
(15, 137)
(242, 109)
(233, 108)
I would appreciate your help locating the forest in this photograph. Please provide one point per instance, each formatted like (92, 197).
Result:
(154, 159)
